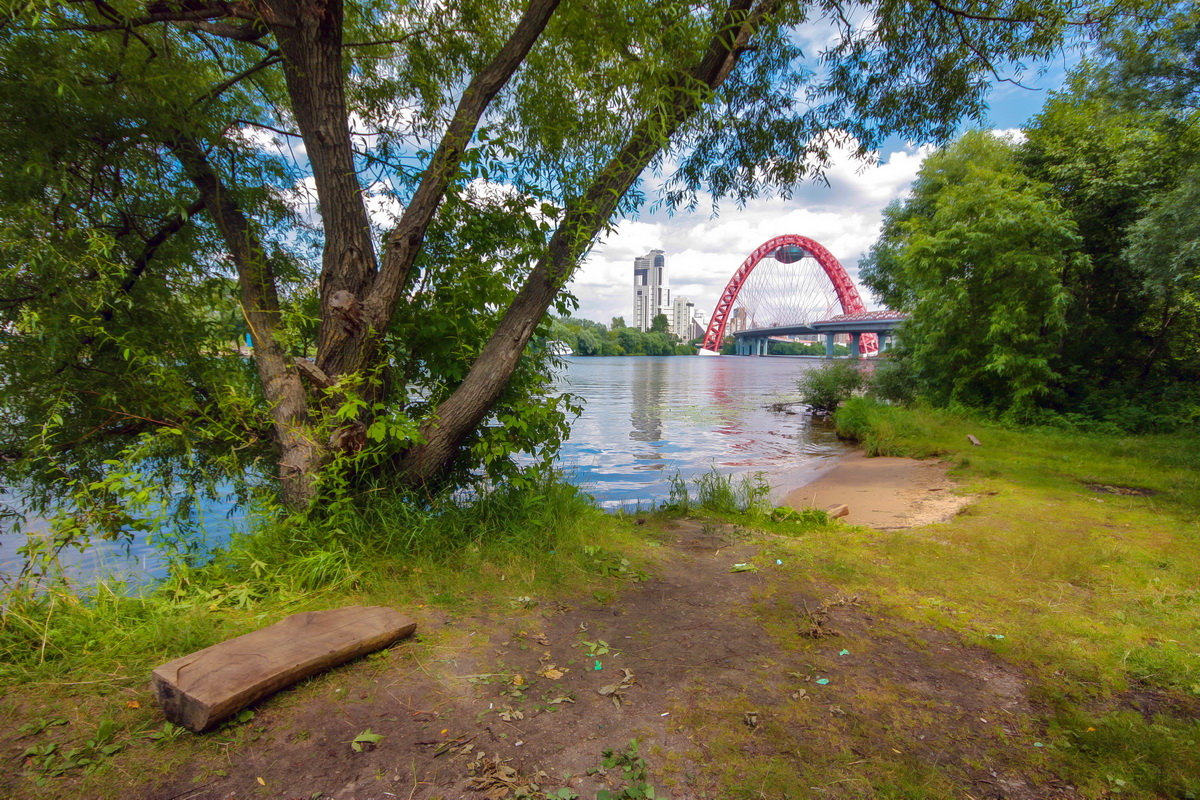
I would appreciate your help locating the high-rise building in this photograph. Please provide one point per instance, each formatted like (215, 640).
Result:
(682, 313)
(651, 294)
(698, 326)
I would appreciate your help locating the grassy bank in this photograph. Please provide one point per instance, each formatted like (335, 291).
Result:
(1079, 560)
(1076, 569)
(1077, 565)
(74, 669)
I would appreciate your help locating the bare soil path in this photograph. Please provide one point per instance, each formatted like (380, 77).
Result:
(744, 684)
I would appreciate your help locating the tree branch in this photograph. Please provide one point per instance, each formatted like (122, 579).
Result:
(250, 32)
(280, 381)
(404, 241)
(272, 58)
(466, 407)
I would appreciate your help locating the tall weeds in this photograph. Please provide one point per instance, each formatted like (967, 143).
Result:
(718, 493)
(388, 546)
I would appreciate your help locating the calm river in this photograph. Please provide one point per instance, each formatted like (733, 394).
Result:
(645, 419)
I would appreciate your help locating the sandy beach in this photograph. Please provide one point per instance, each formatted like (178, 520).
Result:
(883, 493)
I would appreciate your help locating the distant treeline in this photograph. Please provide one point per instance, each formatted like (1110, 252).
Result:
(588, 338)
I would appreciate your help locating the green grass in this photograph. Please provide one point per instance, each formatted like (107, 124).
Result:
(1094, 595)
(86, 659)
(1097, 594)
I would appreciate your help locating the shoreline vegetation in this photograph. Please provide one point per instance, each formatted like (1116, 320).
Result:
(588, 338)
(1075, 566)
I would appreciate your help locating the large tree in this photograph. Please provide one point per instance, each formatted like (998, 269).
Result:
(158, 157)
(1110, 163)
(977, 254)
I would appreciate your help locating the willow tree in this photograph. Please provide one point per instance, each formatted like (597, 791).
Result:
(462, 156)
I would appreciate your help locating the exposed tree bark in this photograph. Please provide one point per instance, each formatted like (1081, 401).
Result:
(310, 39)
(474, 398)
(281, 385)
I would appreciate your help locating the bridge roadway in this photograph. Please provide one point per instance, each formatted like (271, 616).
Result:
(754, 342)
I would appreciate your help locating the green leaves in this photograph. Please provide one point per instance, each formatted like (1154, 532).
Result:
(978, 253)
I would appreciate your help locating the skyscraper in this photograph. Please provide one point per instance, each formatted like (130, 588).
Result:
(651, 294)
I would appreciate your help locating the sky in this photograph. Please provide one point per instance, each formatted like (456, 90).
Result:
(703, 251)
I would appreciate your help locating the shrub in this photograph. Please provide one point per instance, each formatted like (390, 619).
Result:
(893, 380)
(826, 387)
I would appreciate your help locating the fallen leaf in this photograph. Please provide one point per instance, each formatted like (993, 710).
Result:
(615, 690)
(261, 781)
(743, 568)
(365, 741)
(133, 704)
(552, 672)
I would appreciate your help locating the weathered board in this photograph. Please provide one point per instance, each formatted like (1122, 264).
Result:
(199, 690)
(837, 510)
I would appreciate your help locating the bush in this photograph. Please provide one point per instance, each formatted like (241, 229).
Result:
(883, 430)
(826, 387)
(893, 380)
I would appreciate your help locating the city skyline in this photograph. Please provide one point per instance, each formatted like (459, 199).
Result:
(843, 214)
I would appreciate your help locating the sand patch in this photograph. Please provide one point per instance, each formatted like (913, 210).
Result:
(884, 493)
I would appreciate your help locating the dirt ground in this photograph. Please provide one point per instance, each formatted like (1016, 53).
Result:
(725, 678)
(883, 493)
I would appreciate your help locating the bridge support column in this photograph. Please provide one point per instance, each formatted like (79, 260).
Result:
(762, 346)
(884, 340)
(855, 345)
(829, 345)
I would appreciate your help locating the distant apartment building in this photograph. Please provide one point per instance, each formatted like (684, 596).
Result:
(651, 292)
(687, 321)
(739, 320)
(699, 325)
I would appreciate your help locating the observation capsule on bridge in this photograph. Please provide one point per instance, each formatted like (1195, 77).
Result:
(790, 253)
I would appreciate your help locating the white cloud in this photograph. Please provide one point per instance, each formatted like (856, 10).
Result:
(1012, 135)
(703, 252)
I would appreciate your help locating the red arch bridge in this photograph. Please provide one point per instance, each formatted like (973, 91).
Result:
(792, 287)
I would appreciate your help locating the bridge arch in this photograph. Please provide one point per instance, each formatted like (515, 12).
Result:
(843, 286)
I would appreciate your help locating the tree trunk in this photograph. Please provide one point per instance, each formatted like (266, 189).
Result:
(310, 40)
(299, 453)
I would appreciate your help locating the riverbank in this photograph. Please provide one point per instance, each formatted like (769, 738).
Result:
(1039, 644)
(885, 492)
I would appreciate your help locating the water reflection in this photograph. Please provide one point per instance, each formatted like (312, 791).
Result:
(644, 419)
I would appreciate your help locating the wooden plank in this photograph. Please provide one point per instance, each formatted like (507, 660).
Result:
(199, 690)
(837, 510)
(971, 438)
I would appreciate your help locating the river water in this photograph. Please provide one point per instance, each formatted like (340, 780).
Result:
(645, 419)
